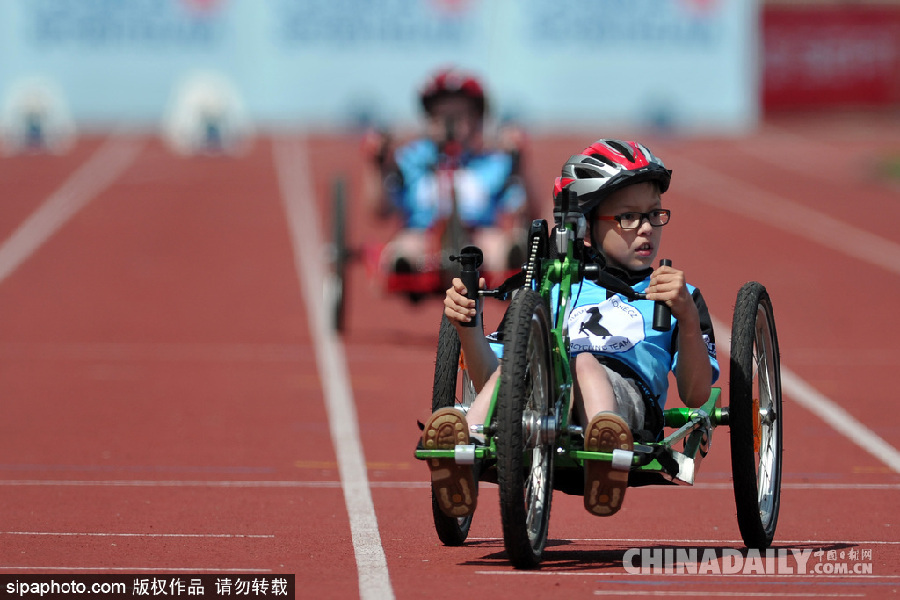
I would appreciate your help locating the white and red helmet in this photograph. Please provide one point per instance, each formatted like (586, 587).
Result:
(453, 82)
(605, 166)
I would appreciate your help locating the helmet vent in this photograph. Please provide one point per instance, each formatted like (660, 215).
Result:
(622, 148)
(605, 160)
(583, 173)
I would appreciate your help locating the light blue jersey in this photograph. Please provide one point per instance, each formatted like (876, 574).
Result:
(621, 332)
(483, 186)
(616, 329)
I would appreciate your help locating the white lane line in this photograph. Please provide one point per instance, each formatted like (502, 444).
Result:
(743, 198)
(797, 146)
(200, 351)
(802, 486)
(292, 166)
(156, 351)
(706, 542)
(242, 536)
(171, 483)
(104, 166)
(706, 576)
(136, 569)
(829, 411)
(403, 485)
(714, 593)
(839, 419)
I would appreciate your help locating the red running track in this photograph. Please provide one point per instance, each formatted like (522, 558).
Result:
(164, 408)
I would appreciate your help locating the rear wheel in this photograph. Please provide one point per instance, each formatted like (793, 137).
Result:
(452, 388)
(524, 455)
(755, 416)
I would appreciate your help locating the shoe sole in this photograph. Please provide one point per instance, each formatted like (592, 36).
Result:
(453, 484)
(604, 487)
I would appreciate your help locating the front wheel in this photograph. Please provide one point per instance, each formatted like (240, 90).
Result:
(755, 416)
(452, 388)
(336, 279)
(524, 456)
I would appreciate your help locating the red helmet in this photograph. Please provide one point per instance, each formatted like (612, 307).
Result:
(605, 166)
(453, 82)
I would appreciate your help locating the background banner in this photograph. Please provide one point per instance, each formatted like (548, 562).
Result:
(681, 63)
(845, 55)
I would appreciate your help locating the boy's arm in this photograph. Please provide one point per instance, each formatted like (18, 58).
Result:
(694, 373)
(378, 148)
(481, 361)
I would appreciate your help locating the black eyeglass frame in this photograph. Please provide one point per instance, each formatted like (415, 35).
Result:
(658, 212)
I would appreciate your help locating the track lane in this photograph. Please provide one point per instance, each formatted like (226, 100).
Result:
(26, 180)
(798, 275)
(293, 167)
(155, 350)
(802, 276)
(219, 267)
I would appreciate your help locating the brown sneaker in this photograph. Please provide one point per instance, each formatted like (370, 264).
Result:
(453, 484)
(604, 487)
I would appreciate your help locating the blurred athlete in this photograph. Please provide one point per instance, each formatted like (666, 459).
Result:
(448, 183)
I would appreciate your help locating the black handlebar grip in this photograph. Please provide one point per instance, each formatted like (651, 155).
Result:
(662, 314)
(470, 280)
(470, 258)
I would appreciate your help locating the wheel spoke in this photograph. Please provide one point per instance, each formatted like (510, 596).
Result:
(766, 481)
(764, 476)
(535, 408)
(524, 458)
(534, 496)
(768, 432)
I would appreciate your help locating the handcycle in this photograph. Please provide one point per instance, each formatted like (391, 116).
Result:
(431, 274)
(532, 448)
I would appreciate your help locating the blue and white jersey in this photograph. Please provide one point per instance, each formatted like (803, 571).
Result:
(483, 185)
(611, 327)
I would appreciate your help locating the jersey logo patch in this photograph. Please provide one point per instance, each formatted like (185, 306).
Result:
(611, 326)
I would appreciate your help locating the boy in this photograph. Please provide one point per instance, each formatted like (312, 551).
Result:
(620, 363)
(417, 180)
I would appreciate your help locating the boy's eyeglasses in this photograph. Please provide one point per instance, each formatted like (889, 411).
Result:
(633, 220)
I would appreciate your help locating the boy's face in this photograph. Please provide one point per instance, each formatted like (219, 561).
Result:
(465, 117)
(631, 249)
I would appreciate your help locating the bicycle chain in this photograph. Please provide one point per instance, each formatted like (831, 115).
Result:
(532, 260)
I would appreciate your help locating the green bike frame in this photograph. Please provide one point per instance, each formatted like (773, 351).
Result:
(650, 463)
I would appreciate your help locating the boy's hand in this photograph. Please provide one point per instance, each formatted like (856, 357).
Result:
(457, 307)
(377, 146)
(667, 284)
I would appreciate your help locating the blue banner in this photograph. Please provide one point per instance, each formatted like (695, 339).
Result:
(686, 63)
